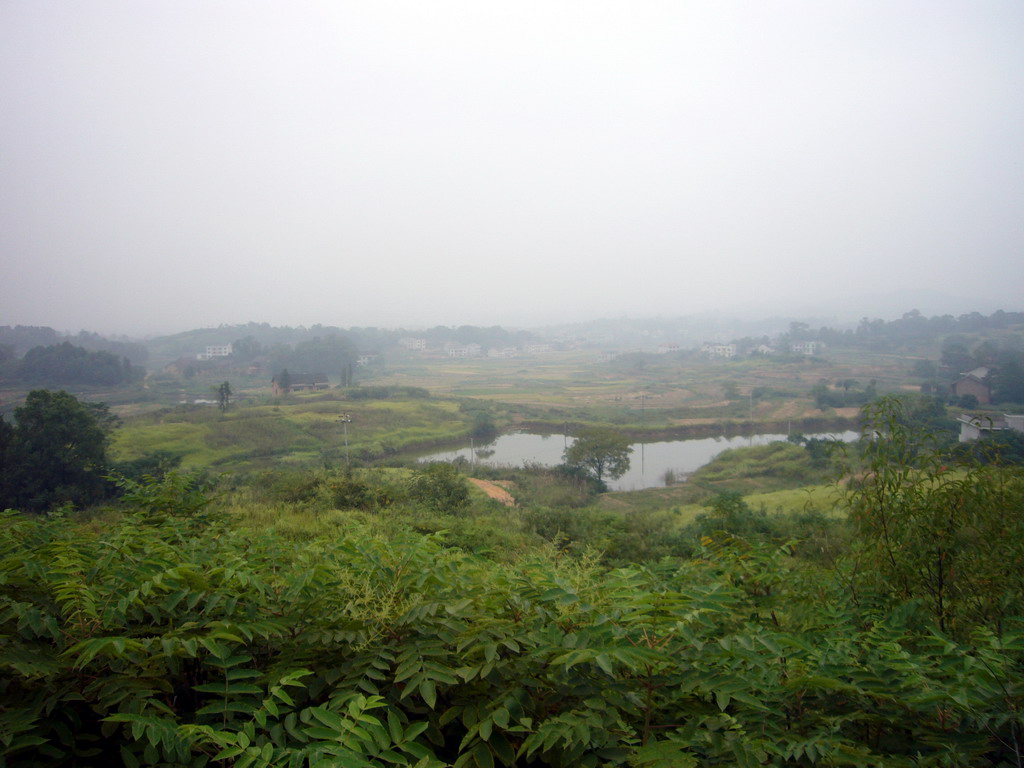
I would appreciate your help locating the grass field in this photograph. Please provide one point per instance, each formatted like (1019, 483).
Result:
(637, 393)
(301, 427)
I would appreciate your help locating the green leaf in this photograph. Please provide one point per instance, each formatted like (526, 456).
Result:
(482, 755)
(429, 692)
(394, 727)
(327, 717)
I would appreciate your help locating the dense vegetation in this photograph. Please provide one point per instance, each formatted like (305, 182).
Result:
(331, 603)
(55, 453)
(65, 363)
(180, 630)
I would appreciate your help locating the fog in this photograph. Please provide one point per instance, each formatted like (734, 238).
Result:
(167, 165)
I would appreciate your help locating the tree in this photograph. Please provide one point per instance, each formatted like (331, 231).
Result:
(600, 452)
(944, 533)
(67, 364)
(284, 380)
(57, 452)
(1008, 381)
(224, 396)
(6, 455)
(440, 487)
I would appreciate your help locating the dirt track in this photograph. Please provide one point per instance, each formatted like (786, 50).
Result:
(494, 491)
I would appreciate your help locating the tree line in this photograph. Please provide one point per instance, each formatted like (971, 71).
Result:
(65, 364)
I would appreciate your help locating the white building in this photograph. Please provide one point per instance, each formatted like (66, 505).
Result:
(805, 347)
(503, 352)
(215, 350)
(536, 349)
(718, 350)
(974, 427)
(462, 350)
(413, 345)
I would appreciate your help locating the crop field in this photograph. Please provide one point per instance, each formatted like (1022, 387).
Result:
(304, 427)
(641, 393)
(677, 389)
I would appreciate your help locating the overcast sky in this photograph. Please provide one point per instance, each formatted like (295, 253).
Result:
(169, 165)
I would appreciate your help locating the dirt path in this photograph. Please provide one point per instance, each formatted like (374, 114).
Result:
(494, 491)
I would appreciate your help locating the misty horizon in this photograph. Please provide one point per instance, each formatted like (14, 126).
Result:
(169, 166)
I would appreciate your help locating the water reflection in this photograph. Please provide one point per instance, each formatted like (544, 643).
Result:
(651, 464)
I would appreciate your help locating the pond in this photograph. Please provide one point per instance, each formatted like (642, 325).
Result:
(649, 462)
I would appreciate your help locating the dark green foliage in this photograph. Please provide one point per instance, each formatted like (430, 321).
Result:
(334, 354)
(156, 642)
(64, 364)
(820, 450)
(617, 539)
(183, 498)
(1008, 379)
(224, 396)
(951, 536)
(154, 465)
(845, 396)
(440, 487)
(360, 490)
(347, 488)
(56, 453)
(729, 513)
(1003, 447)
(6, 464)
(21, 338)
(483, 425)
(600, 452)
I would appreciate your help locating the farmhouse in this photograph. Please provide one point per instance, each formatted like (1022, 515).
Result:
(412, 344)
(974, 382)
(973, 427)
(462, 350)
(805, 347)
(214, 350)
(286, 383)
(718, 350)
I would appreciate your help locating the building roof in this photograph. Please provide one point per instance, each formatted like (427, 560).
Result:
(983, 422)
(978, 373)
(305, 379)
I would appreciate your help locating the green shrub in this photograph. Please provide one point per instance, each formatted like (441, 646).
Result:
(153, 645)
(439, 487)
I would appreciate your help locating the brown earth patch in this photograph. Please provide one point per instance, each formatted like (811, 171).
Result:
(495, 491)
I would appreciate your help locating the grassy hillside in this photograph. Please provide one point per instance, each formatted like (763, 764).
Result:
(298, 429)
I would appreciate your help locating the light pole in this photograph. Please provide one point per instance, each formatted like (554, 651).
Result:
(345, 420)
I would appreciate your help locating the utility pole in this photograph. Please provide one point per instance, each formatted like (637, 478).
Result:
(345, 420)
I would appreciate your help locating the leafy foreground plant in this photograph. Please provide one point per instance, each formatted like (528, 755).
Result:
(170, 639)
(950, 535)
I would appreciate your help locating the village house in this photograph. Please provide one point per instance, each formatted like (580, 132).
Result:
(462, 350)
(718, 350)
(503, 352)
(413, 345)
(287, 383)
(810, 348)
(214, 350)
(974, 382)
(974, 427)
